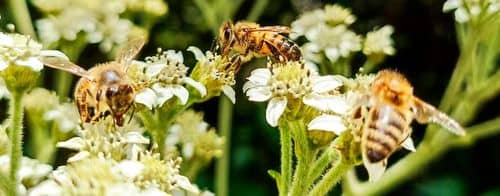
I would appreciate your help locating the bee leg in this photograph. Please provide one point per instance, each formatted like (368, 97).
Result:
(276, 53)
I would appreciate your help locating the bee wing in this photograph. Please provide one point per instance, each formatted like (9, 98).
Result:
(65, 65)
(425, 113)
(277, 29)
(130, 50)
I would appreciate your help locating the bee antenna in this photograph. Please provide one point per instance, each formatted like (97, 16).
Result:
(132, 114)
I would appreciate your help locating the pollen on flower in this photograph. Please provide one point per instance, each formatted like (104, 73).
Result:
(290, 79)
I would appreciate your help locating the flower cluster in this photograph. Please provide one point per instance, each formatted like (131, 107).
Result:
(95, 21)
(30, 173)
(217, 73)
(466, 10)
(20, 60)
(115, 160)
(192, 137)
(328, 35)
(163, 77)
(292, 84)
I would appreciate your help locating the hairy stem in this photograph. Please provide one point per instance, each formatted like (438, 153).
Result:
(331, 178)
(319, 166)
(286, 158)
(22, 17)
(16, 135)
(222, 164)
(303, 154)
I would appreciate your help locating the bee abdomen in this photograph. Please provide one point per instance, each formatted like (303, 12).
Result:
(382, 140)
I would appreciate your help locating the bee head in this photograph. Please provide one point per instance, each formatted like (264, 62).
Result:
(392, 87)
(119, 98)
(226, 37)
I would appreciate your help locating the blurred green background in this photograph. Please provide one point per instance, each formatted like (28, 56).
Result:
(426, 53)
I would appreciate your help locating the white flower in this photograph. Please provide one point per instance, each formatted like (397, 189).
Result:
(215, 72)
(334, 42)
(130, 169)
(167, 74)
(65, 115)
(21, 50)
(379, 42)
(290, 81)
(98, 21)
(30, 171)
(332, 15)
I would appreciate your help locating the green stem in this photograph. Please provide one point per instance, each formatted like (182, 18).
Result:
(331, 178)
(222, 164)
(286, 159)
(303, 154)
(16, 135)
(319, 166)
(258, 8)
(22, 17)
(477, 132)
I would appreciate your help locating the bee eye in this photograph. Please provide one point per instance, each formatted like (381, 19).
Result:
(110, 92)
(227, 33)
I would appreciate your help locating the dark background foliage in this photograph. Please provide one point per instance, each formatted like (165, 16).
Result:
(426, 53)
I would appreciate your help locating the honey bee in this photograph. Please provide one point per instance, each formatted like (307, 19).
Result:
(250, 39)
(104, 89)
(386, 126)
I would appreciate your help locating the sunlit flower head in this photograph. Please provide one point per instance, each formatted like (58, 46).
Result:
(91, 21)
(289, 83)
(164, 76)
(331, 15)
(103, 141)
(335, 14)
(215, 72)
(379, 42)
(334, 42)
(193, 138)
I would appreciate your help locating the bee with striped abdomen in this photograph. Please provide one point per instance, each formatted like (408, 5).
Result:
(390, 108)
(250, 39)
(104, 89)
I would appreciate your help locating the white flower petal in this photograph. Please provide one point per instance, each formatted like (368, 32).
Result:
(408, 144)
(188, 150)
(259, 94)
(461, 15)
(75, 143)
(197, 85)
(327, 122)
(260, 76)
(79, 156)
(451, 4)
(54, 53)
(48, 187)
(130, 169)
(332, 54)
(248, 85)
(135, 138)
(155, 69)
(337, 104)
(6, 40)
(229, 92)
(275, 109)
(181, 93)
(183, 182)
(32, 62)
(175, 56)
(198, 54)
(325, 83)
(146, 97)
(162, 94)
